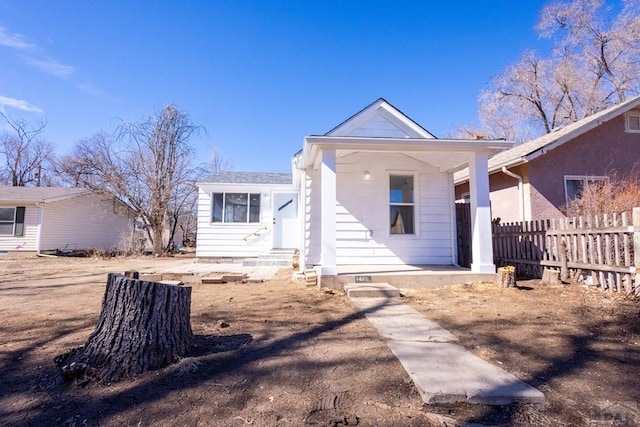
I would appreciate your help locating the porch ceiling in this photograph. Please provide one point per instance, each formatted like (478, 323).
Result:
(448, 155)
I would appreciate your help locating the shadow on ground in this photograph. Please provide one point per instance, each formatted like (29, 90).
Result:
(212, 358)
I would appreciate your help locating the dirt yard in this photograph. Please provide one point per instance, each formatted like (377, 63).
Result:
(282, 354)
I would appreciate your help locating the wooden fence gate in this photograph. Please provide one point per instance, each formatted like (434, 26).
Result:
(463, 227)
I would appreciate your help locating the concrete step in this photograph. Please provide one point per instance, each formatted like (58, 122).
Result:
(235, 277)
(267, 262)
(213, 279)
(283, 251)
(311, 277)
(371, 290)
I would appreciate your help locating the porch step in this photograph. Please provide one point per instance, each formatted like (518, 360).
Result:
(310, 277)
(212, 279)
(235, 277)
(283, 251)
(267, 261)
(371, 290)
(218, 278)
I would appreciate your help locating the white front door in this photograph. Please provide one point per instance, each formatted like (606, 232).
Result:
(285, 220)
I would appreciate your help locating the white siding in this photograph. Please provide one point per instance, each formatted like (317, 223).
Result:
(379, 126)
(227, 240)
(27, 242)
(85, 222)
(312, 217)
(362, 228)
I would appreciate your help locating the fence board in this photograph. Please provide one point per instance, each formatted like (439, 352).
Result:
(600, 250)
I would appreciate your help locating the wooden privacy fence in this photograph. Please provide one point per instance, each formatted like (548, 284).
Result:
(602, 250)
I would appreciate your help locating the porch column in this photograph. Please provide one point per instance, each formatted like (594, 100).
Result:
(328, 213)
(481, 244)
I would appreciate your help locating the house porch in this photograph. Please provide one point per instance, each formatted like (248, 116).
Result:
(406, 276)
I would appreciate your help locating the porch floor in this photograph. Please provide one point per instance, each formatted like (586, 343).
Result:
(410, 276)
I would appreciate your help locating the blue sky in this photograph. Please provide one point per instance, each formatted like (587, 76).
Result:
(257, 75)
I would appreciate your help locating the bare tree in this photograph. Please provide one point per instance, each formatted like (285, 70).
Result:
(145, 165)
(215, 164)
(184, 206)
(607, 47)
(26, 156)
(593, 65)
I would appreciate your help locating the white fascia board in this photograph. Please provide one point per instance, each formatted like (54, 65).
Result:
(493, 169)
(564, 139)
(246, 185)
(621, 109)
(20, 202)
(315, 143)
(67, 197)
(511, 163)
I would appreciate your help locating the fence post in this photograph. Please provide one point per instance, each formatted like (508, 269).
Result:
(636, 247)
(564, 259)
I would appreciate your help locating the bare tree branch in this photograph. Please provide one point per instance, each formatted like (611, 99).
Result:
(26, 158)
(593, 65)
(146, 165)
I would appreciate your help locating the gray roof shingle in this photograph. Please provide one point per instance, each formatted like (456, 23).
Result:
(249, 178)
(519, 153)
(38, 194)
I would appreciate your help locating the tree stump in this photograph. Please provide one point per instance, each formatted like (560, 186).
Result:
(551, 277)
(506, 277)
(142, 326)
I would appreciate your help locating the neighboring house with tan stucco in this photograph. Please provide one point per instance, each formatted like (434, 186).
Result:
(534, 180)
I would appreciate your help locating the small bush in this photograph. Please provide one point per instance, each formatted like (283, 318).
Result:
(598, 198)
(134, 244)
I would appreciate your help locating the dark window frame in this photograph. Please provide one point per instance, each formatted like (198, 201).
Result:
(17, 222)
(226, 207)
(584, 181)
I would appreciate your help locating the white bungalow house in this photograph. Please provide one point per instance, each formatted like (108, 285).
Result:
(34, 220)
(375, 190)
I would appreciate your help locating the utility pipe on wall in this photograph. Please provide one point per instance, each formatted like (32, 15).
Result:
(520, 190)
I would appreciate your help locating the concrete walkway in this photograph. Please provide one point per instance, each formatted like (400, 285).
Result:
(199, 270)
(442, 371)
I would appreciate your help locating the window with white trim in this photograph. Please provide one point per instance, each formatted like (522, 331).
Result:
(12, 221)
(573, 185)
(235, 207)
(632, 122)
(401, 204)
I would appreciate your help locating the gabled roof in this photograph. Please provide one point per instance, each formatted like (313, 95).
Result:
(380, 127)
(540, 146)
(39, 194)
(380, 116)
(249, 178)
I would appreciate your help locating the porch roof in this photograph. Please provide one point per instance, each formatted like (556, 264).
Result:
(448, 155)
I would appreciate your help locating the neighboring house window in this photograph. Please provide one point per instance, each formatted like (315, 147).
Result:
(573, 185)
(236, 207)
(401, 204)
(12, 221)
(632, 122)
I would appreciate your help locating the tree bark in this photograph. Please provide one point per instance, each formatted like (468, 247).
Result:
(142, 326)
(506, 277)
(551, 277)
